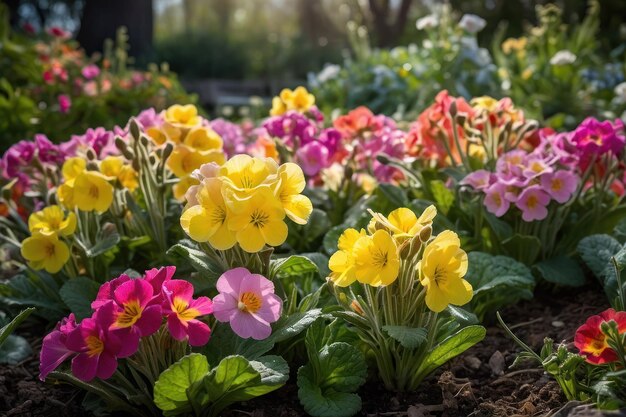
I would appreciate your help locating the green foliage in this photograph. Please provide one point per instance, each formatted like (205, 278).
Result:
(336, 369)
(497, 281)
(77, 294)
(409, 337)
(13, 348)
(185, 254)
(561, 271)
(190, 386)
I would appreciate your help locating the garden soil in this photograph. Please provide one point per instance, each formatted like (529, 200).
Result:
(479, 383)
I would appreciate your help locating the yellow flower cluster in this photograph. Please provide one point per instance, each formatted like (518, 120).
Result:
(194, 144)
(299, 100)
(245, 201)
(44, 249)
(374, 257)
(83, 189)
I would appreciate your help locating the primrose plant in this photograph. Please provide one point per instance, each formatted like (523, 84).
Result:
(398, 285)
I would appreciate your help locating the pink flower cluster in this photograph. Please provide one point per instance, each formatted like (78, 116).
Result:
(18, 162)
(593, 138)
(126, 310)
(528, 181)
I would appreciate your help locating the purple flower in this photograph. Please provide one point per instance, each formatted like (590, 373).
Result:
(595, 137)
(533, 201)
(181, 311)
(312, 157)
(232, 136)
(54, 350)
(90, 71)
(18, 155)
(247, 301)
(149, 118)
(495, 200)
(102, 141)
(560, 185)
(65, 103)
(136, 308)
(479, 180)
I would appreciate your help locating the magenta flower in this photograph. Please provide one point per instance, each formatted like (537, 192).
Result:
(533, 201)
(312, 157)
(181, 311)
(65, 103)
(595, 137)
(247, 301)
(54, 350)
(149, 118)
(156, 278)
(90, 71)
(98, 347)
(107, 290)
(136, 310)
(560, 185)
(495, 200)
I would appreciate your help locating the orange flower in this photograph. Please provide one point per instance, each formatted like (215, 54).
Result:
(356, 121)
(591, 340)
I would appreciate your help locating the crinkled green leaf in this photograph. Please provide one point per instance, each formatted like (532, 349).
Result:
(288, 327)
(170, 390)
(14, 350)
(295, 266)
(328, 403)
(409, 337)
(596, 251)
(332, 238)
(6, 330)
(78, 293)
(561, 271)
(224, 342)
(107, 239)
(186, 253)
(393, 194)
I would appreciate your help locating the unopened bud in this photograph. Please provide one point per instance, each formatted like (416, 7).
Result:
(123, 147)
(425, 233)
(91, 154)
(92, 166)
(134, 128)
(167, 151)
(383, 159)
(144, 141)
(354, 305)
(405, 250)
(416, 245)
(453, 109)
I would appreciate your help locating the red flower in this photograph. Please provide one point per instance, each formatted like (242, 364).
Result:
(592, 342)
(357, 121)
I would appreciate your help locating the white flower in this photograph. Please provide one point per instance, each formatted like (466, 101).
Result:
(563, 57)
(328, 73)
(427, 22)
(620, 91)
(472, 23)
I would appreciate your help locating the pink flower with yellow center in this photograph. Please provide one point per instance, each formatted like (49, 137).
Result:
(247, 301)
(98, 346)
(591, 340)
(560, 185)
(135, 309)
(533, 201)
(181, 311)
(495, 200)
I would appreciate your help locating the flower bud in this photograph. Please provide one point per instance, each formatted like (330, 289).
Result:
(123, 147)
(167, 151)
(405, 250)
(354, 305)
(91, 154)
(134, 128)
(453, 109)
(425, 233)
(416, 245)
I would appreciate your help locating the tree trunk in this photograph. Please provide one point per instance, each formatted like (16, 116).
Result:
(387, 31)
(102, 18)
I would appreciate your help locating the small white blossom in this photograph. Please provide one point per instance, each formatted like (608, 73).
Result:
(563, 57)
(472, 23)
(620, 91)
(427, 22)
(328, 73)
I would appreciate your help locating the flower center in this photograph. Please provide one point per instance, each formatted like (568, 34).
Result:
(259, 218)
(598, 346)
(94, 192)
(439, 275)
(183, 311)
(94, 345)
(497, 199)
(380, 259)
(557, 184)
(218, 216)
(50, 249)
(532, 202)
(130, 315)
(249, 302)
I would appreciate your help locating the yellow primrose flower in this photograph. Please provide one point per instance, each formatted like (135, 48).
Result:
(209, 220)
(72, 167)
(65, 194)
(278, 107)
(181, 187)
(299, 99)
(367, 183)
(157, 135)
(376, 259)
(291, 183)
(116, 167)
(172, 133)
(514, 44)
(402, 223)
(527, 73)
(182, 116)
(341, 264)
(203, 139)
(92, 191)
(257, 220)
(184, 160)
(52, 220)
(245, 173)
(45, 251)
(441, 272)
(485, 103)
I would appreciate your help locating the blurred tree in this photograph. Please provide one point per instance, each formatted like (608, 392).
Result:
(101, 18)
(389, 20)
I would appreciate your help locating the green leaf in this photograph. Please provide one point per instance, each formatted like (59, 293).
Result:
(34, 289)
(317, 225)
(444, 197)
(186, 253)
(170, 390)
(393, 194)
(14, 350)
(596, 252)
(523, 248)
(287, 327)
(235, 379)
(293, 267)
(6, 330)
(561, 271)
(320, 260)
(107, 238)
(224, 342)
(409, 337)
(497, 281)
(327, 383)
(273, 369)
(452, 346)
(500, 228)
(78, 293)
(332, 238)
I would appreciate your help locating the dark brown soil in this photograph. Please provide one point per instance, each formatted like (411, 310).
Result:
(477, 384)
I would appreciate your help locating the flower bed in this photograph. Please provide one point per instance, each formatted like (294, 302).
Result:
(195, 264)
